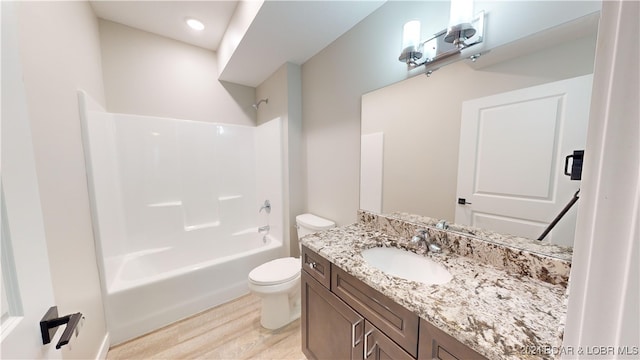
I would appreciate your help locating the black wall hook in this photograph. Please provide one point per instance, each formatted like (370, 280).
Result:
(562, 213)
(50, 323)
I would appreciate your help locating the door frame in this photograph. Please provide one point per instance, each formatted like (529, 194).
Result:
(605, 276)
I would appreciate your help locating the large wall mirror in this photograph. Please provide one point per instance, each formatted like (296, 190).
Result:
(411, 130)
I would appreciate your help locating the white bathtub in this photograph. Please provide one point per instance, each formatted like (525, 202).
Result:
(174, 216)
(156, 287)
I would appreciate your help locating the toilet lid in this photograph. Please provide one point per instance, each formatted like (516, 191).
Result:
(276, 271)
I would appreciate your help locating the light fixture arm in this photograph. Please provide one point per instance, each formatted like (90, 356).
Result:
(440, 49)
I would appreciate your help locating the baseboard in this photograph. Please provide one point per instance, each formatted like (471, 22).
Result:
(104, 348)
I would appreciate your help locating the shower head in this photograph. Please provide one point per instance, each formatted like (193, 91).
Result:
(257, 105)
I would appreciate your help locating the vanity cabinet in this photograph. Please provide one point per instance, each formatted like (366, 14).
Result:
(343, 318)
(436, 344)
(316, 266)
(398, 323)
(378, 346)
(330, 328)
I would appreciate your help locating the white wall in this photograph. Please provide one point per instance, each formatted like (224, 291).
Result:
(365, 59)
(60, 52)
(159, 182)
(240, 21)
(268, 179)
(283, 89)
(147, 74)
(27, 290)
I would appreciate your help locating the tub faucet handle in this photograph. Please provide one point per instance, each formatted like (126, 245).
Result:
(266, 207)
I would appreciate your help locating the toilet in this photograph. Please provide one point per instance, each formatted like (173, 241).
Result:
(277, 282)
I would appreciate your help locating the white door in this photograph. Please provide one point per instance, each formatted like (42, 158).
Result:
(512, 155)
(26, 282)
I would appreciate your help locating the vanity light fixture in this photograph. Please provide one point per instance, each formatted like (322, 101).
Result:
(460, 18)
(195, 24)
(464, 31)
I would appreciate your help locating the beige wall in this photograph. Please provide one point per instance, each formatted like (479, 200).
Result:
(60, 51)
(420, 118)
(365, 59)
(283, 89)
(333, 82)
(275, 89)
(147, 74)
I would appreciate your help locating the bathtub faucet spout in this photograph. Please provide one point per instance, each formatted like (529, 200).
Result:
(264, 229)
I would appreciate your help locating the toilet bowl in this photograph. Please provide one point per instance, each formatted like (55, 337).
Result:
(277, 282)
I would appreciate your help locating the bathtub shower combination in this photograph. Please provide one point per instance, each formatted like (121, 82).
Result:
(175, 207)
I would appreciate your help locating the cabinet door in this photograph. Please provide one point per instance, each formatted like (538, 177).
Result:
(398, 323)
(330, 328)
(378, 346)
(436, 344)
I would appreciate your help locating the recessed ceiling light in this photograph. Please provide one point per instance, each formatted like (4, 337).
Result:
(194, 24)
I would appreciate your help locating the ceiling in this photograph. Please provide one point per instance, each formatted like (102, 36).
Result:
(291, 31)
(282, 31)
(166, 18)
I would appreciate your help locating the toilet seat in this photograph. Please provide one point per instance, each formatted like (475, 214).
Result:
(276, 272)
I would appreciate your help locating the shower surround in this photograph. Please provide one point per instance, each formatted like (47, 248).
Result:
(175, 212)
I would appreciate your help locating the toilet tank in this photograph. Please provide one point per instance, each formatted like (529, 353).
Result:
(309, 223)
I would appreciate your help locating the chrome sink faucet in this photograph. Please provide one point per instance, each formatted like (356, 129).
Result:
(423, 236)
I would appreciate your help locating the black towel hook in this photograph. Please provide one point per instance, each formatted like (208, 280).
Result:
(50, 323)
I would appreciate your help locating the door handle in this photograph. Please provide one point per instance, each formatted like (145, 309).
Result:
(463, 201)
(367, 353)
(355, 340)
(576, 166)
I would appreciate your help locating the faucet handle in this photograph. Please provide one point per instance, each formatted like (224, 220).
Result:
(435, 248)
(266, 207)
(442, 225)
(421, 235)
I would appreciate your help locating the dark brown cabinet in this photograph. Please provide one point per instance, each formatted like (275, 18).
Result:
(436, 344)
(316, 266)
(343, 318)
(330, 328)
(398, 323)
(378, 346)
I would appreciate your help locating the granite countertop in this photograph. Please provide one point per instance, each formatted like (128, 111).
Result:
(498, 314)
(537, 247)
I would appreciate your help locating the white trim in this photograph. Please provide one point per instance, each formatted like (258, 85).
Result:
(604, 286)
(104, 348)
(8, 326)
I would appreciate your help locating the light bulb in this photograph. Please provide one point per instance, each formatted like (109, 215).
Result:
(411, 34)
(195, 24)
(461, 12)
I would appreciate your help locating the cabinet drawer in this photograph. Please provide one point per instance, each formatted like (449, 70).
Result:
(438, 345)
(317, 266)
(400, 324)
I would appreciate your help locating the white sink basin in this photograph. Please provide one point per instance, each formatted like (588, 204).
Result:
(406, 265)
